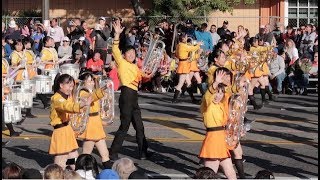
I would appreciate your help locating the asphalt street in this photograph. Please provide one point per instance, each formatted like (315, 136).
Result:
(283, 138)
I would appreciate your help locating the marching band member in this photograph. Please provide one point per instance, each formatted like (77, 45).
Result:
(6, 91)
(214, 149)
(195, 71)
(183, 70)
(94, 134)
(49, 57)
(19, 56)
(63, 144)
(30, 58)
(260, 76)
(130, 76)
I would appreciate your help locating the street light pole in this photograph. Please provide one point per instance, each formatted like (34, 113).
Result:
(45, 10)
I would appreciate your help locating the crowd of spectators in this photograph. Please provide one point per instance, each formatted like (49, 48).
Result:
(91, 47)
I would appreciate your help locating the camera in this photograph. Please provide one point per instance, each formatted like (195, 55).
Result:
(71, 22)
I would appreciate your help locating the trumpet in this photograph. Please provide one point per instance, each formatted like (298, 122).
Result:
(78, 121)
(107, 102)
(154, 54)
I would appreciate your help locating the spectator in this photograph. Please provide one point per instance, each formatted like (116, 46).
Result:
(276, 71)
(124, 167)
(15, 31)
(290, 34)
(108, 174)
(291, 51)
(31, 174)
(7, 48)
(298, 37)
(75, 30)
(138, 174)
(205, 173)
(308, 40)
(53, 171)
(223, 31)
(264, 174)
(3, 29)
(56, 32)
(214, 35)
(71, 174)
(269, 37)
(95, 64)
(86, 166)
(25, 31)
(189, 29)
(87, 32)
(278, 35)
(82, 45)
(12, 171)
(79, 59)
(261, 33)
(131, 37)
(65, 49)
(168, 35)
(100, 36)
(37, 39)
(204, 36)
(113, 74)
(314, 69)
(247, 40)
(299, 75)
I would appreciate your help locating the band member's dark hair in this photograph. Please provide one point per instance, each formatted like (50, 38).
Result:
(253, 40)
(15, 42)
(61, 79)
(84, 76)
(128, 48)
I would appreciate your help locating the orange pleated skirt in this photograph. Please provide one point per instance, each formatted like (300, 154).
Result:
(194, 66)
(63, 141)
(94, 130)
(183, 67)
(214, 146)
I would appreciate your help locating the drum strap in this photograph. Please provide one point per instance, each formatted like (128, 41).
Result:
(218, 128)
(60, 125)
(94, 114)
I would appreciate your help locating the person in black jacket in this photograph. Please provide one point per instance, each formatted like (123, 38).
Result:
(223, 31)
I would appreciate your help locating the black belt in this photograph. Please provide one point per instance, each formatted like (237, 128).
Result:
(218, 128)
(183, 59)
(94, 114)
(60, 125)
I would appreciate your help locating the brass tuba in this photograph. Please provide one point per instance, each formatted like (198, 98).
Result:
(235, 121)
(78, 121)
(107, 102)
(154, 54)
(191, 54)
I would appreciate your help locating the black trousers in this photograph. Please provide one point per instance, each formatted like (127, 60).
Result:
(129, 112)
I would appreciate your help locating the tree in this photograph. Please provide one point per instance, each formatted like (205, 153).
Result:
(189, 8)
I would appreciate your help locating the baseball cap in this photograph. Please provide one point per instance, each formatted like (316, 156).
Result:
(102, 18)
(225, 22)
(66, 39)
(108, 174)
(81, 38)
(275, 50)
(78, 52)
(188, 21)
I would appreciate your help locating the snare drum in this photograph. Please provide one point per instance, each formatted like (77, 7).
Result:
(71, 69)
(29, 84)
(43, 84)
(24, 96)
(11, 111)
(52, 73)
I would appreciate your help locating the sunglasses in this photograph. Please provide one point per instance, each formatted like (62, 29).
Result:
(65, 41)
